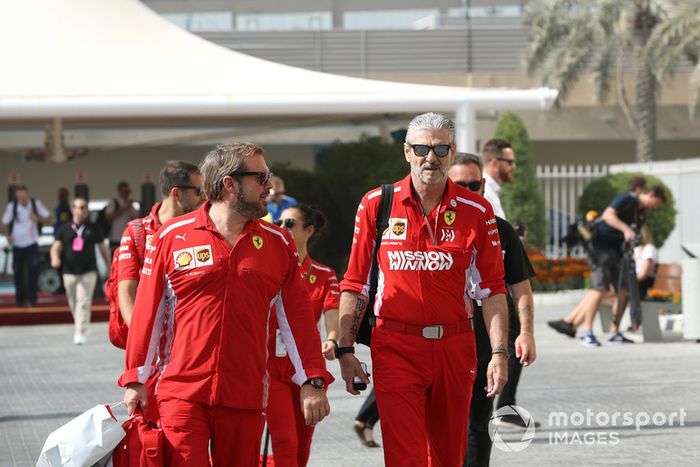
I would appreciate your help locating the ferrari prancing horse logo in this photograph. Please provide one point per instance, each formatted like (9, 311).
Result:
(257, 242)
(450, 217)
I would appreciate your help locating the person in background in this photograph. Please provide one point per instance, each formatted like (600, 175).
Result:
(181, 188)
(119, 212)
(605, 252)
(291, 436)
(277, 200)
(74, 252)
(366, 418)
(499, 166)
(467, 172)
(21, 223)
(62, 212)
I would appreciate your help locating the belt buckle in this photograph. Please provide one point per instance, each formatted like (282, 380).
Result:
(433, 332)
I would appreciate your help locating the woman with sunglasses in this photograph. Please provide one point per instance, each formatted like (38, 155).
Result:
(291, 437)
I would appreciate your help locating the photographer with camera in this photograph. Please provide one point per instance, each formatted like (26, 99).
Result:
(606, 248)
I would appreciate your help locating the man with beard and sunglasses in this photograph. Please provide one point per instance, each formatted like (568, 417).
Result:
(210, 280)
(440, 247)
(499, 168)
(467, 172)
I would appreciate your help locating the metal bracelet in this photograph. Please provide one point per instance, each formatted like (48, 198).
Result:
(502, 350)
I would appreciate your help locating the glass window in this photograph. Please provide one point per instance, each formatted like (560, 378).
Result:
(307, 21)
(202, 21)
(487, 11)
(385, 19)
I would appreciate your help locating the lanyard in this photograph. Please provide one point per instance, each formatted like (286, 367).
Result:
(433, 233)
(308, 271)
(78, 232)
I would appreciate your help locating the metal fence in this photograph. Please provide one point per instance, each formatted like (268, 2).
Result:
(562, 186)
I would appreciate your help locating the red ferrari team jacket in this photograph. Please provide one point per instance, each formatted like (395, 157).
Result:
(324, 294)
(202, 312)
(428, 270)
(129, 266)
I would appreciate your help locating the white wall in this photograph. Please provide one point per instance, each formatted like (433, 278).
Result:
(682, 176)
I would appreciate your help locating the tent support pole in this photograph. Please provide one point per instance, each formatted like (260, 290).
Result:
(465, 128)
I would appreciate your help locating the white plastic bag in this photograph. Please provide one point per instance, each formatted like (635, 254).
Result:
(83, 441)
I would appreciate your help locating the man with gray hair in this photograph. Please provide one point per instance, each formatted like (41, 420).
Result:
(210, 280)
(441, 246)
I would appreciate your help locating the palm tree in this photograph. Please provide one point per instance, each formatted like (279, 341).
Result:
(603, 37)
(676, 38)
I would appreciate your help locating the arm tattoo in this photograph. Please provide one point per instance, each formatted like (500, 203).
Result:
(360, 305)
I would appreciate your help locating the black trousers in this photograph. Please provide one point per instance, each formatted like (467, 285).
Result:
(25, 263)
(369, 413)
(481, 410)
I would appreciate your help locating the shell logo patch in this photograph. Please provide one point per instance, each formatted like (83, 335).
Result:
(183, 259)
(257, 242)
(149, 240)
(398, 227)
(450, 217)
(312, 279)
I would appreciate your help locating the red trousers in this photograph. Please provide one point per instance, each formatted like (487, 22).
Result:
(189, 426)
(291, 436)
(423, 389)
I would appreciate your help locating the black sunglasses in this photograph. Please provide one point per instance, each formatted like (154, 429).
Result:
(422, 150)
(287, 223)
(508, 161)
(198, 189)
(263, 177)
(473, 186)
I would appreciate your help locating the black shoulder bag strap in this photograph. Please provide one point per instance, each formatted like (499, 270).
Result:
(364, 335)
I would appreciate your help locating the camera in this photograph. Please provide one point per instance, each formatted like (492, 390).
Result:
(357, 383)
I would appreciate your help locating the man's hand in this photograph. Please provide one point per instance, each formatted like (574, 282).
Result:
(496, 374)
(135, 393)
(629, 234)
(56, 263)
(314, 403)
(525, 349)
(328, 349)
(349, 368)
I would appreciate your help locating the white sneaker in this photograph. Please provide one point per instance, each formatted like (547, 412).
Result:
(79, 339)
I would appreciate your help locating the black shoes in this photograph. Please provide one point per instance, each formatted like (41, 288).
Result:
(563, 327)
(515, 421)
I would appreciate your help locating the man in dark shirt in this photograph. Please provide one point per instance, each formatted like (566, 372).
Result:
(74, 250)
(619, 221)
(466, 171)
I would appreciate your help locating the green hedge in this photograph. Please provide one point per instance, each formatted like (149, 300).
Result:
(600, 192)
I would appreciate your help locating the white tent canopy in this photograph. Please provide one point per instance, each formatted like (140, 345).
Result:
(117, 59)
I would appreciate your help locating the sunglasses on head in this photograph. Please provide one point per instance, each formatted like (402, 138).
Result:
(263, 177)
(287, 223)
(473, 186)
(422, 150)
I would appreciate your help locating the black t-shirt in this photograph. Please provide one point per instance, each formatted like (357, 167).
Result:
(517, 269)
(629, 212)
(83, 260)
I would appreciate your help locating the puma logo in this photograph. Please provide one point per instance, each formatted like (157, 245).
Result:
(182, 237)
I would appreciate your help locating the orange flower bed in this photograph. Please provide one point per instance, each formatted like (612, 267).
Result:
(558, 274)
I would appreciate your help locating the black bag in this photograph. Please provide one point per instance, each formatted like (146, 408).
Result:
(102, 222)
(364, 334)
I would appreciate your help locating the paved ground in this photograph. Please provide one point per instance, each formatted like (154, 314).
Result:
(45, 380)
